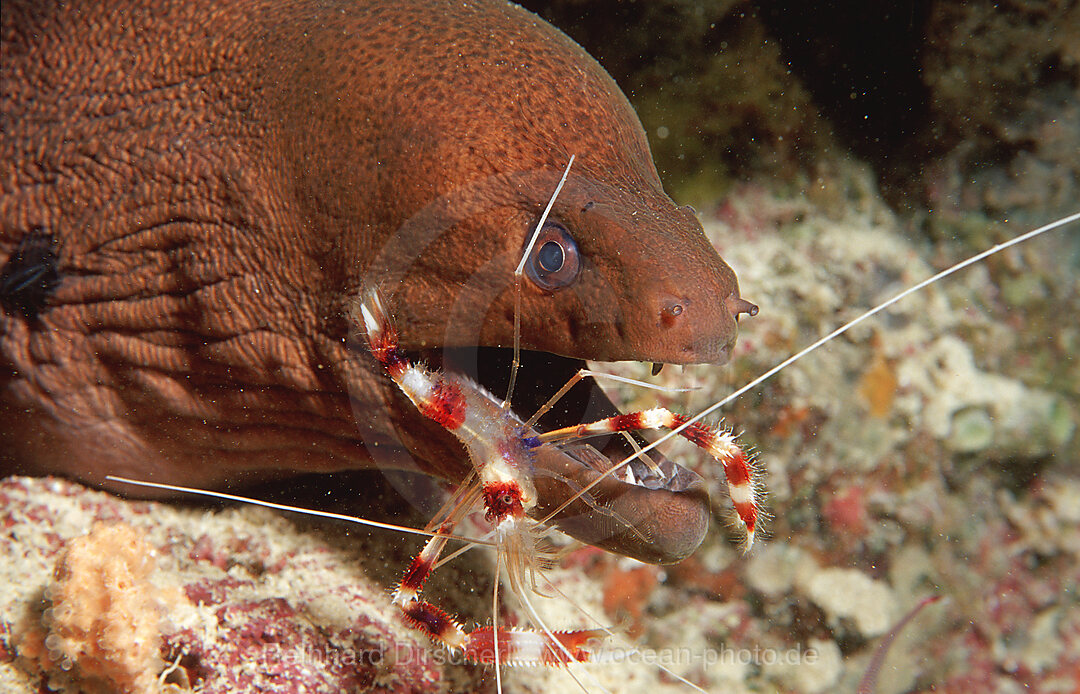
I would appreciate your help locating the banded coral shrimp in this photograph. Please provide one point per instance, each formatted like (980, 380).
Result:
(505, 452)
(769, 575)
(766, 574)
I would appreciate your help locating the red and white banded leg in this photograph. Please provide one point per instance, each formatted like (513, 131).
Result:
(515, 646)
(502, 465)
(738, 467)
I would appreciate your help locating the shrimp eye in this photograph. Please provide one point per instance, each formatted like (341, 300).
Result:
(554, 262)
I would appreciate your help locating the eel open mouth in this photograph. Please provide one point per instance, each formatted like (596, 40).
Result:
(656, 518)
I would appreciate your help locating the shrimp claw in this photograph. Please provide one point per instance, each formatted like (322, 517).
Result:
(739, 468)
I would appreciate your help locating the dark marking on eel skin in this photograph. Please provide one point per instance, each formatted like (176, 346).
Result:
(220, 179)
(29, 275)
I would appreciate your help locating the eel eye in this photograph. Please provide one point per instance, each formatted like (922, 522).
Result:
(554, 262)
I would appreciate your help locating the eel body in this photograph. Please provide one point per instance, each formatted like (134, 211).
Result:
(193, 193)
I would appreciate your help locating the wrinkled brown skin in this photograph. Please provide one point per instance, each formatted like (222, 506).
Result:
(223, 178)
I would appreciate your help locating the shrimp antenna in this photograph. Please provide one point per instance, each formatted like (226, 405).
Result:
(517, 281)
(292, 509)
(855, 321)
(629, 647)
(675, 431)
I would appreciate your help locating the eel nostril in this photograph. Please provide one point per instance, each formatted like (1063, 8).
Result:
(670, 312)
(737, 305)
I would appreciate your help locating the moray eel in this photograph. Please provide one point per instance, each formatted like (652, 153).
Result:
(194, 192)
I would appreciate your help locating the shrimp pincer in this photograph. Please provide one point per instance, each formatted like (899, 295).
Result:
(503, 450)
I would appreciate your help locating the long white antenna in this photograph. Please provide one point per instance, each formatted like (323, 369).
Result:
(814, 346)
(517, 281)
(293, 509)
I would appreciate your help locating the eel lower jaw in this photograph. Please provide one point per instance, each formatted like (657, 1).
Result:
(656, 513)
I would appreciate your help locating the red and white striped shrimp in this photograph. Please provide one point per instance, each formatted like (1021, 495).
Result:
(502, 448)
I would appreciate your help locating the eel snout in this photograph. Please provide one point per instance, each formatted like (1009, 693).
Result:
(703, 330)
(651, 285)
(692, 295)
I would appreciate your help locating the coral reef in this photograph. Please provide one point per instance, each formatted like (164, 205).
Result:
(964, 106)
(714, 93)
(907, 458)
(1004, 122)
(251, 601)
(103, 626)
